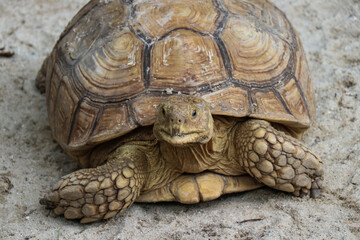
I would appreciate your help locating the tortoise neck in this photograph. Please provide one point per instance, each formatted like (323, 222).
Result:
(200, 157)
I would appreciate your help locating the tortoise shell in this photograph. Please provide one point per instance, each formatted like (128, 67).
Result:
(116, 61)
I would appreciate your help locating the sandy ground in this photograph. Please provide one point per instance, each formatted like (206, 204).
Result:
(30, 162)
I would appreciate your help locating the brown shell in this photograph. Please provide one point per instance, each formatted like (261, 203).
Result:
(117, 59)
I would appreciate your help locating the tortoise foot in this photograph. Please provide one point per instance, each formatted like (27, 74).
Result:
(94, 194)
(278, 160)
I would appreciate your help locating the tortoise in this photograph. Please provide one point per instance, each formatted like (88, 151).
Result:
(177, 101)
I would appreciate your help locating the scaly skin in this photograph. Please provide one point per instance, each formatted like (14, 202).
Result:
(100, 193)
(276, 159)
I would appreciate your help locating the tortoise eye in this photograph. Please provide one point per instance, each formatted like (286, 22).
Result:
(163, 111)
(194, 113)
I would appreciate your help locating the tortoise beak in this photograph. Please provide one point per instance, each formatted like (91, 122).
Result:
(176, 130)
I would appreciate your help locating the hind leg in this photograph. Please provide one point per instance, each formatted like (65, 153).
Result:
(276, 159)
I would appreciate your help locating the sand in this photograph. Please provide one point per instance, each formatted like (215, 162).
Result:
(30, 162)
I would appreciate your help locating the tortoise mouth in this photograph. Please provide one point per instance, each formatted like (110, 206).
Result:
(177, 138)
(177, 133)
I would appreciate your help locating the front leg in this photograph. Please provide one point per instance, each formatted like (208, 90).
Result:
(276, 159)
(102, 192)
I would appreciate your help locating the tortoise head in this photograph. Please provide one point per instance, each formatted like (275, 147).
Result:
(183, 120)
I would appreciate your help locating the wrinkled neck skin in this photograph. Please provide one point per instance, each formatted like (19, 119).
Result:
(216, 155)
(166, 162)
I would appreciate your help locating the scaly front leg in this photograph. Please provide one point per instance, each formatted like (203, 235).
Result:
(276, 159)
(102, 192)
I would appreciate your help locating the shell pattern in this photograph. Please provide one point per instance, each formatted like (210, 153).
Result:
(117, 59)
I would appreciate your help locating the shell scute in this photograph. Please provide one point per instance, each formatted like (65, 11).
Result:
(84, 120)
(231, 100)
(294, 98)
(185, 60)
(259, 56)
(113, 69)
(154, 19)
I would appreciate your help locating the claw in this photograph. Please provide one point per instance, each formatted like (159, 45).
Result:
(50, 200)
(316, 188)
(314, 193)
